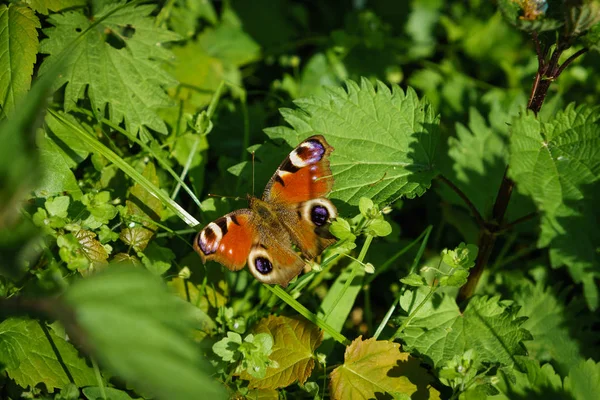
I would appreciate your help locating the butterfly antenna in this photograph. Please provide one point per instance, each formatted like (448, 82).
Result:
(252, 173)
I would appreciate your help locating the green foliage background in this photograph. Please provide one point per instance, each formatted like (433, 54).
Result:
(466, 167)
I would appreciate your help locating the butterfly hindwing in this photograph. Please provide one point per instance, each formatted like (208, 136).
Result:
(228, 240)
(274, 262)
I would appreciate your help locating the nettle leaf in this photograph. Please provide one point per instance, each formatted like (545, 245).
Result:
(583, 379)
(439, 330)
(30, 358)
(372, 368)
(386, 140)
(557, 163)
(18, 50)
(125, 310)
(542, 381)
(549, 324)
(118, 60)
(296, 340)
(478, 154)
(43, 6)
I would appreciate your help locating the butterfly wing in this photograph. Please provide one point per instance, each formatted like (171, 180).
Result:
(303, 175)
(228, 240)
(274, 262)
(296, 193)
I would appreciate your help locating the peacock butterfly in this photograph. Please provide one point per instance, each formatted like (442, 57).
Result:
(292, 211)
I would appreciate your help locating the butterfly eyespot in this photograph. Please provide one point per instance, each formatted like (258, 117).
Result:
(209, 239)
(319, 215)
(263, 265)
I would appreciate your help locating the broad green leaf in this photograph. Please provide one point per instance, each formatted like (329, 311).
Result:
(584, 379)
(58, 206)
(18, 50)
(374, 367)
(73, 150)
(385, 140)
(44, 6)
(185, 16)
(296, 340)
(140, 332)
(118, 58)
(535, 382)
(557, 163)
(34, 355)
(56, 174)
(439, 330)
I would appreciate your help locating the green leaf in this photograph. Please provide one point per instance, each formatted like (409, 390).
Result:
(81, 250)
(340, 228)
(101, 211)
(140, 331)
(551, 327)
(296, 340)
(538, 382)
(478, 161)
(157, 259)
(439, 330)
(463, 256)
(557, 163)
(129, 79)
(372, 367)
(414, 280)
(56, 176)
(458, 278)
(95, 393)
(583, 379)
(379, 227)
(385, 140)
(33, 354)
(18, 50)
(365, 205)
(228, 347)
(58, 206)
(43, 6)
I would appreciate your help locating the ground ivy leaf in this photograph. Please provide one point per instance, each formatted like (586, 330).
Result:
(18, 49)
(30, 358)
(125, 310)
(386, 140)
(129, 79)
(557, 163)
(439, 330)
(374, 367)
(296, 340)
(58, 206)
(584, 379)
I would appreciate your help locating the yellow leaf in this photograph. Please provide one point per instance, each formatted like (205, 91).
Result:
(373, 368)
(295, 341)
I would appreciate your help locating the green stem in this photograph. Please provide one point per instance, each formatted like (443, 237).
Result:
(287, 298)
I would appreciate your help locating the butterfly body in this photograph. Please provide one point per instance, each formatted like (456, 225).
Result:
(292, 212)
